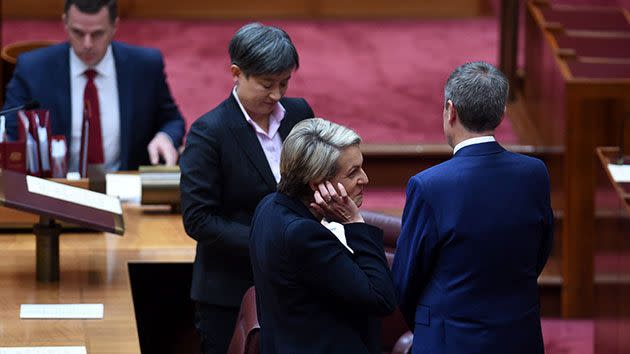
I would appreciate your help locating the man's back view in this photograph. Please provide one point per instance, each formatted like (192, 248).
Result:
(477, 231)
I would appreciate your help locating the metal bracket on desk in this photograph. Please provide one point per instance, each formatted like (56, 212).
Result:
(47, 249)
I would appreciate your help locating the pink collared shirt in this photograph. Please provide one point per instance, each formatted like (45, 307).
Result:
(269, 141)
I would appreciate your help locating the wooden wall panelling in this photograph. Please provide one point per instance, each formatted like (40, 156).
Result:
(32, 8)
(251, 9)
(233, 9)
(44, 9)
(402, 8)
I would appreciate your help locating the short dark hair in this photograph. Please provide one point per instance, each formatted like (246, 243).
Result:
(93, 6)
(479, 92)
(261, 50)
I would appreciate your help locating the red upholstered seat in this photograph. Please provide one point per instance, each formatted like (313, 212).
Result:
(246, 337)
(393, 326)
(390, 226)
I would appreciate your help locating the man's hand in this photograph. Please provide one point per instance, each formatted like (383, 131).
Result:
(335, 206)
(161, 145)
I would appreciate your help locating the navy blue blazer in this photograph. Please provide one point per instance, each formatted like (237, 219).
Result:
(312, 294)
(224, 175)
(146, 105)
(476, 233)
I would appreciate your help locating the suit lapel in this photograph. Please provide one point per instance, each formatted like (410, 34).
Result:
(124, 82)
(248, 141)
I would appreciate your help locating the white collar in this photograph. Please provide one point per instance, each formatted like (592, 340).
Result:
(472, 141)
(105, 67)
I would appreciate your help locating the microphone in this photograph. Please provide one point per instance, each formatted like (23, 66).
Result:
(28, 105)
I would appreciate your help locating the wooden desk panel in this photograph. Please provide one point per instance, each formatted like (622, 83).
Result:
(93, 270)
(576, 103)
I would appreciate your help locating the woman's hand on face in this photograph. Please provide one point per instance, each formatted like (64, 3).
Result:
(335, 206)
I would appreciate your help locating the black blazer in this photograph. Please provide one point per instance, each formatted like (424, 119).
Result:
(224, 175)
(312, 294)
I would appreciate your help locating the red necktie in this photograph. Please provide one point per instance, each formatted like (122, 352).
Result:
(93, 115)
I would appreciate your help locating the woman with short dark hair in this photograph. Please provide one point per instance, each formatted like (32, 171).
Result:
(230, 163)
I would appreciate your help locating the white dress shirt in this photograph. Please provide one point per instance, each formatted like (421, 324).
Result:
(107, 87)
(270, 141)
(473, 141)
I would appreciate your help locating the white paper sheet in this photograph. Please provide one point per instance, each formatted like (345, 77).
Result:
(78, 311)
(43, 350)
(620, 173)
(126, 187)
(73, 194)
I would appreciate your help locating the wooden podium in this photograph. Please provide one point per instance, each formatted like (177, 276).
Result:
(51, 200)
(576, 93)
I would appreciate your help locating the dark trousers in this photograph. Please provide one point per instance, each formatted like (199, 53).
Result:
(215, 325)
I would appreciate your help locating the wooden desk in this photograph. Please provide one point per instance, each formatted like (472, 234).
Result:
(93, 270)
(576, 93)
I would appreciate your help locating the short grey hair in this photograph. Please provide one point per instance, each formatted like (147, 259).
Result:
(262, 50)
(479, 92)
(310, 153)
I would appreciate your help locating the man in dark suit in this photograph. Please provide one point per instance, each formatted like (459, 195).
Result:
(476, 232)
(320, 271)
(230, 163)
(139, 121)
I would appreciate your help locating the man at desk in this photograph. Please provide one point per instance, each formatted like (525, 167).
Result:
(134, 119)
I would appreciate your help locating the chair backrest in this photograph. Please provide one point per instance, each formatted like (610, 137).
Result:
(393, 326)
(10, 52)
(246, 337)
(391, 229)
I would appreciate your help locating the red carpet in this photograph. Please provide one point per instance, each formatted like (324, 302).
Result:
(382, 78)
(568, 336)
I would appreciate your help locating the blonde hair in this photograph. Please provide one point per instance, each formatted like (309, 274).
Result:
(310, 153)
